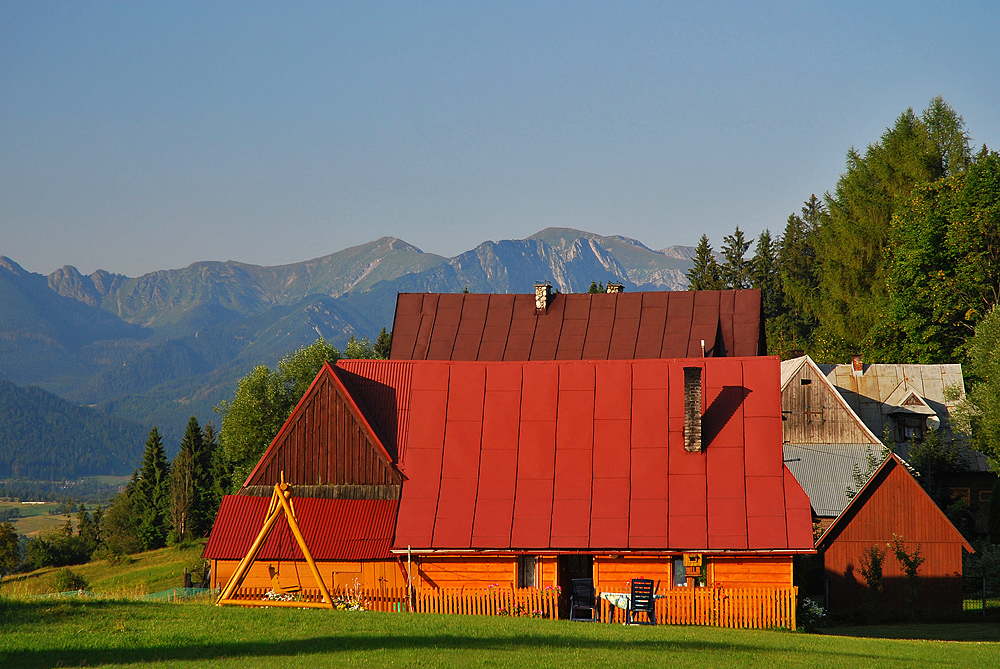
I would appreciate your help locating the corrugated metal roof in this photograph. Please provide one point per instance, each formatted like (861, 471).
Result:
(334, 529)
(578, 326)
(868, 392)
(589, 455)
(825, 472)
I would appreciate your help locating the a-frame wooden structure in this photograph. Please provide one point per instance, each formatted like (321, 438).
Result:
(281, 504)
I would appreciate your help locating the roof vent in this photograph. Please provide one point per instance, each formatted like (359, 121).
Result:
(692, 409)
(543, 295)
(615, 288)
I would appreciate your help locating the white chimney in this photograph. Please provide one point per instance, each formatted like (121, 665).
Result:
(543, 295)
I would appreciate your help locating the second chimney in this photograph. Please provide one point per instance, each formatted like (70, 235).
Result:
(543, 295)
(692, 409)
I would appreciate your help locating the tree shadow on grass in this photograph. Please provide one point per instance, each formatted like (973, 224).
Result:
(959, 631)
(352, 644)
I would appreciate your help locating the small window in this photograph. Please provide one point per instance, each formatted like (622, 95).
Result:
(984, 495)
(963, 494)
(526, 567)
(909, 428)
(680, 574)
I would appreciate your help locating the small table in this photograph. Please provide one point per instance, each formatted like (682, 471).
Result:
(620, 600)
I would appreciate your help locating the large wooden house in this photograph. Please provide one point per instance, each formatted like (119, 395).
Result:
(519, 474)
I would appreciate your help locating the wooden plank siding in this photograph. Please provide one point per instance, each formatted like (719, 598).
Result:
(812, 414)
(894, 504)
(324, 443)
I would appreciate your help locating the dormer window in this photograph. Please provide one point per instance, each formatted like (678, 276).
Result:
(909, 428)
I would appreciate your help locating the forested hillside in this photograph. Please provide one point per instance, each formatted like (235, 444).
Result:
(44, 437)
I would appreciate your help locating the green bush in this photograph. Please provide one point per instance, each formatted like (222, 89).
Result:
(69, 580)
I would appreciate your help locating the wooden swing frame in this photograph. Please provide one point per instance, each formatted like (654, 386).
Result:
(281, 503)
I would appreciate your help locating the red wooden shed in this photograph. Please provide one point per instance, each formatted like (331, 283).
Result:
(892, 504)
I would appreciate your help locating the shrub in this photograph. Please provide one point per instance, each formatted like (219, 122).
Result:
(69, 580)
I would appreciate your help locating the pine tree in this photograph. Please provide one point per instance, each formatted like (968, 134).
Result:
(765, 276)
(383, 345)
(705, 273)
(191, 485)
(151, 497)
(736, 269)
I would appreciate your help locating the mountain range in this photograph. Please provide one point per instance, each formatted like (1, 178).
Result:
(159, 348)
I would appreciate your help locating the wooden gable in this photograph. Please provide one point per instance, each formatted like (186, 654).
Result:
(892, 504)
(813, 412)
(326, 442)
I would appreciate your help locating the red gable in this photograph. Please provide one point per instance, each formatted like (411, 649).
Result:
(620, 326)
(585, 455)
(334, 529)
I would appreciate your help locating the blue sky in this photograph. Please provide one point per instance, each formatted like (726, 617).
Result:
(140, 136)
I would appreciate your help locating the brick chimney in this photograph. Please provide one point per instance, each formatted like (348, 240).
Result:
(615, 288)
(692, 409)
(543, 295)
(858, 365)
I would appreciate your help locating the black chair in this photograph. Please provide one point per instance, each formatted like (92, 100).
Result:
(643, 601)
(582, 598)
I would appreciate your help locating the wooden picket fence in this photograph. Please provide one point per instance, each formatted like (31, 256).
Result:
(758, 608)
(538, 603)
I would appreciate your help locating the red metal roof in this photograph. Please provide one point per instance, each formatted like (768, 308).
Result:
(618, 326)
(334, 529)
(589, 455)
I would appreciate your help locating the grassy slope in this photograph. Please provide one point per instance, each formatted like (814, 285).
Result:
(48, 633)
(149, 572)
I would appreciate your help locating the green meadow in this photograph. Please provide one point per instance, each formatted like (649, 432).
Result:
(48, 633)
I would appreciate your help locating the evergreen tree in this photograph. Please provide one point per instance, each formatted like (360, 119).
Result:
(736, 269)
(798, 269)
(191, 485)
(855, 238)
(383, 344)
(593, 288)
(152, 494)
(217, 469)
(705, 273)
(765, 276)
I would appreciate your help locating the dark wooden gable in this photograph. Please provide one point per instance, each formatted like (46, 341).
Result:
(892, 504)
(813, 413)
(326, 442)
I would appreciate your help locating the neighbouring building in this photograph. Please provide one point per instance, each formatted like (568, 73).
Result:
(891, 506)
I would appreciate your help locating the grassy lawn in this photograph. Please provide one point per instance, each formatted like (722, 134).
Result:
(145, 573)
(47, 633)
